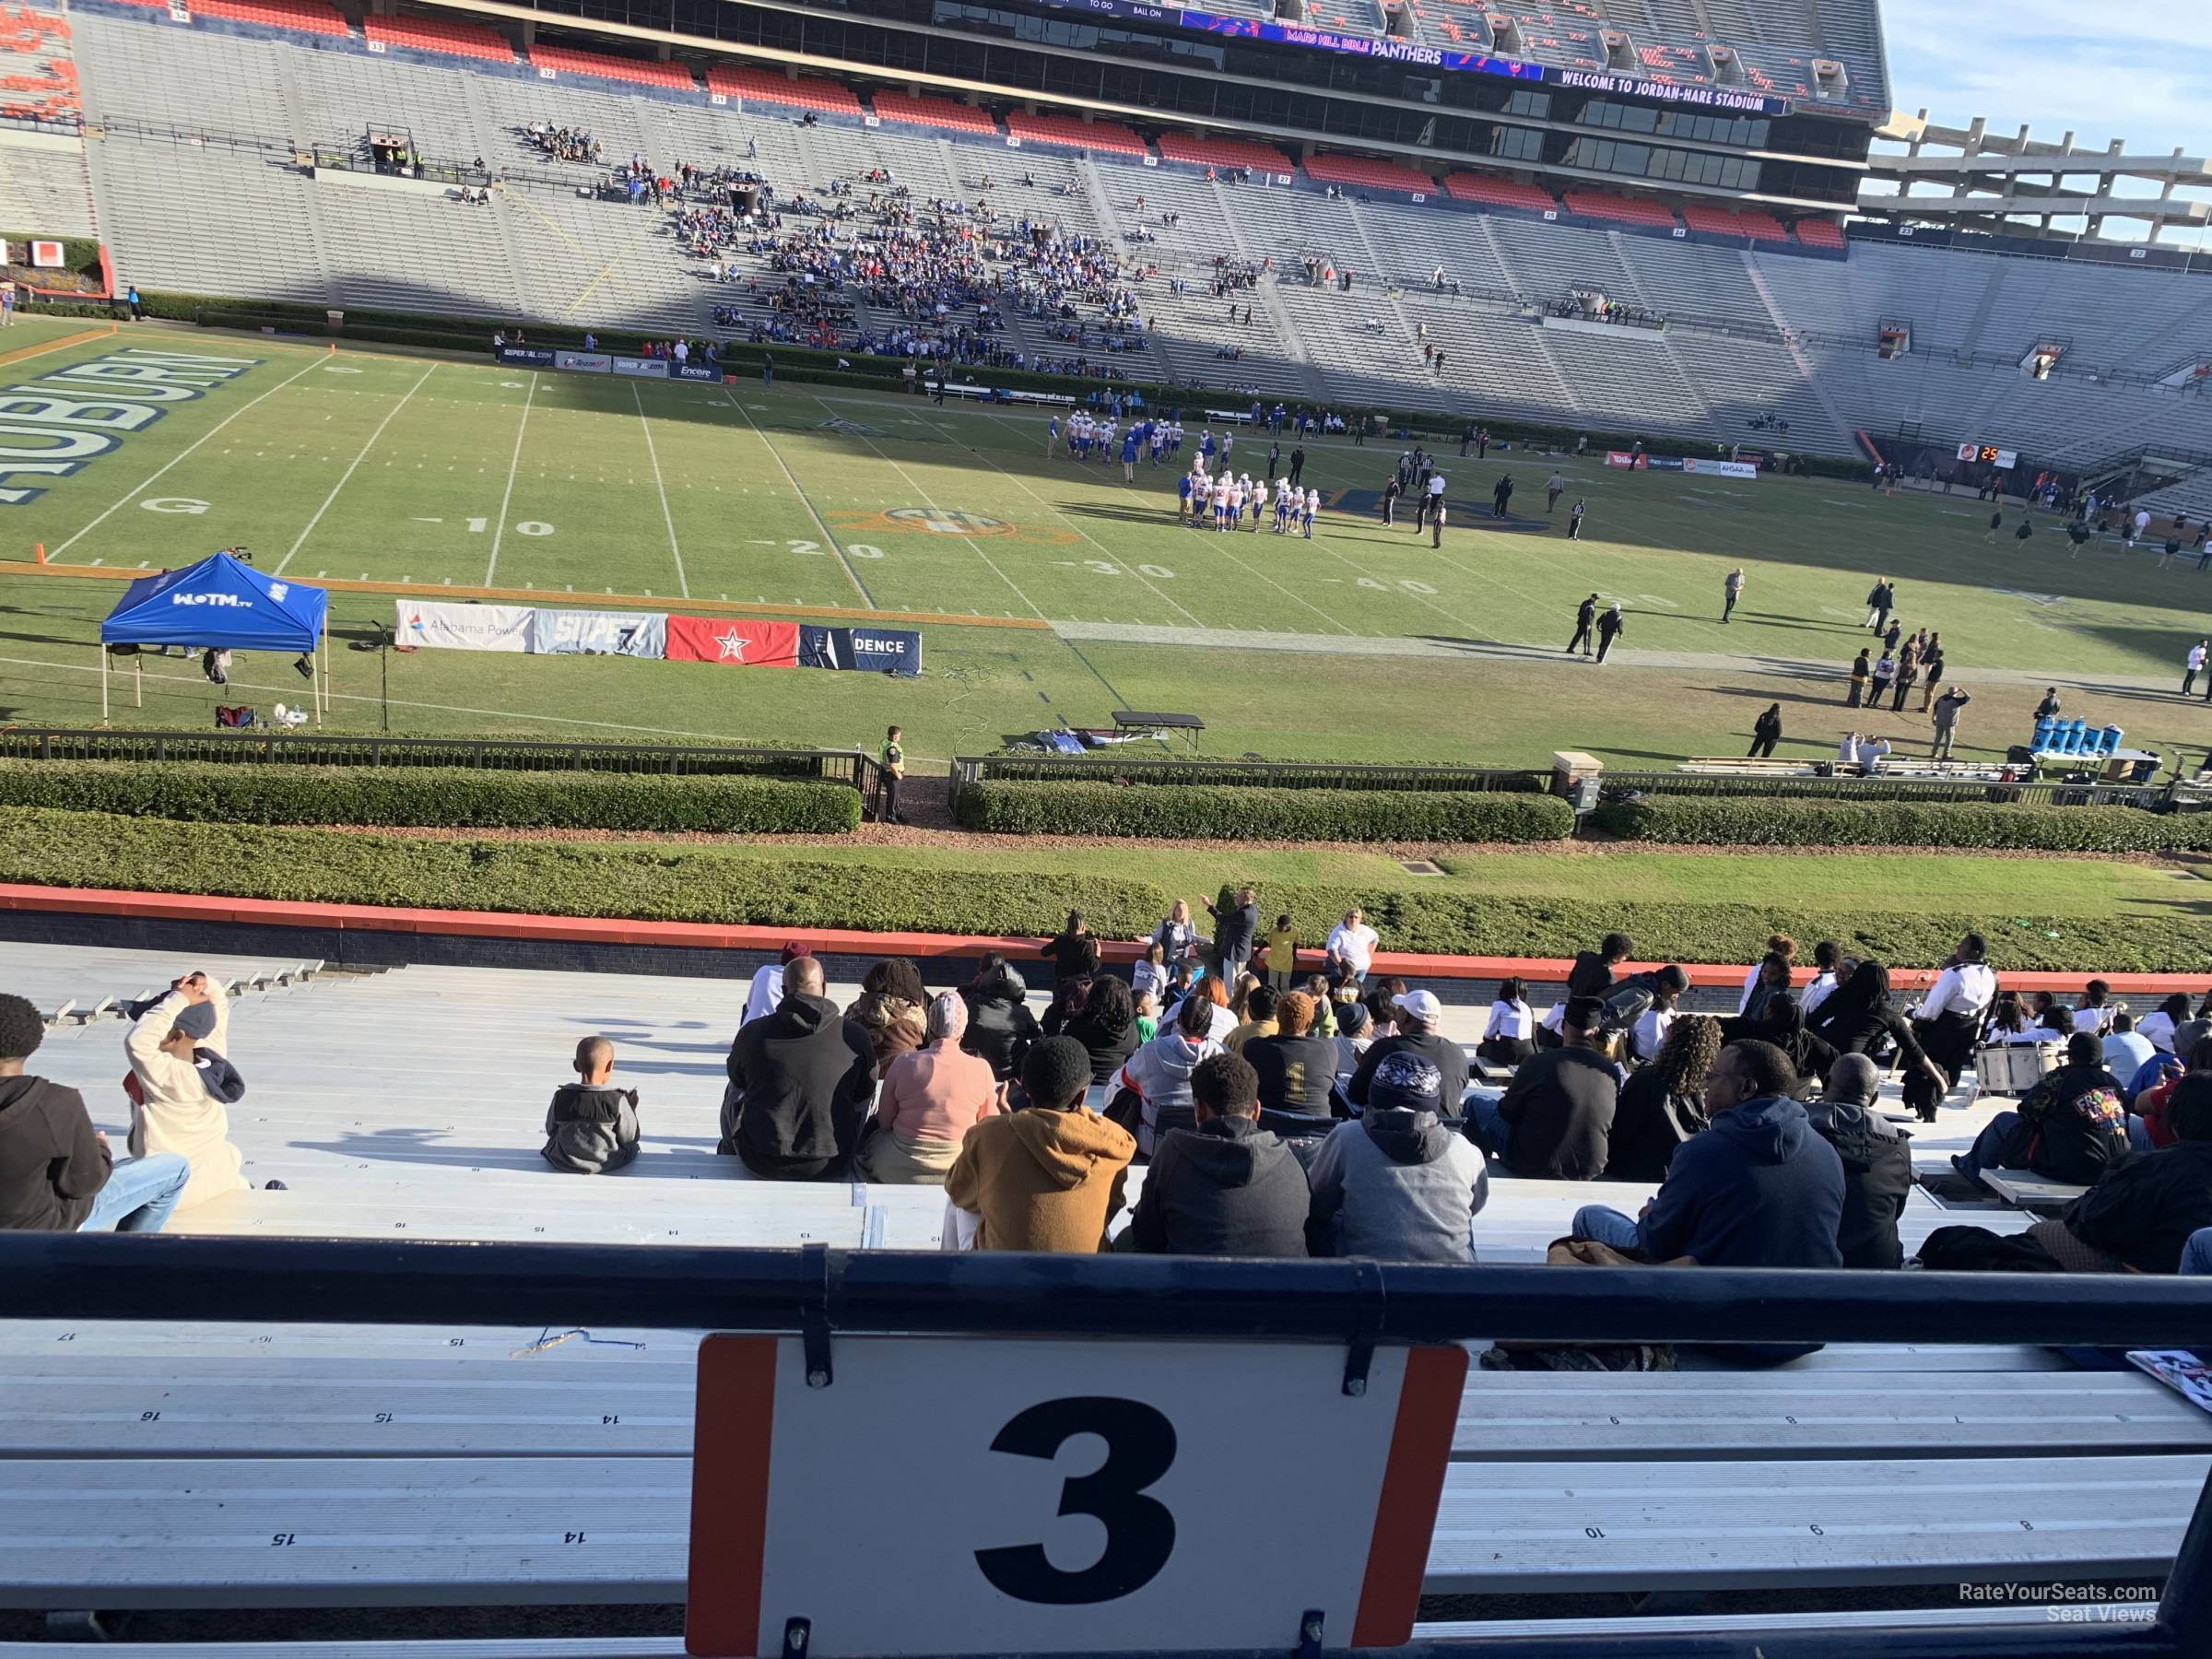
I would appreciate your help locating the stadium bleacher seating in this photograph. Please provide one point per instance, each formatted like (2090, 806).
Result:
(1619, 210)
(1069, 133)
(38, 74)
(568, 60)
(1758, 333)
(929, 110)
(800, 92)
(446, 35)
(1720, 221)
(1223, 153)
(302, 16)
(1499, 192)
(1358, 172)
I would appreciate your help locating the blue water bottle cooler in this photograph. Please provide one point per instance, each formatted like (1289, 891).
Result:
(2042, 743)
(2078, 733)
(2108, 740)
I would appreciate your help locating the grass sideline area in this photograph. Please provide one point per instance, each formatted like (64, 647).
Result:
(1362, 643)
(2044, 913)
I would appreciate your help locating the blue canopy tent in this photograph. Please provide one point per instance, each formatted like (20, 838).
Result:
(221, 604)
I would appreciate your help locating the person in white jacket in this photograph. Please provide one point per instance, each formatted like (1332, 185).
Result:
(180, 1085)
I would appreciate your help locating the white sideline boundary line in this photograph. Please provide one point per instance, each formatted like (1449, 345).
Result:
(683, 584)
(156, 476)
(365, 449)
(498, 530)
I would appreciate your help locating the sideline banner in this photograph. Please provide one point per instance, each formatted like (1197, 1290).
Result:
(599, 633)
(642, 368)
(1623, 458)
(872, 650)
(462, 627)
(734, 641)
(584, 362)
(1721, 469)
(695, 372)
(526, 357)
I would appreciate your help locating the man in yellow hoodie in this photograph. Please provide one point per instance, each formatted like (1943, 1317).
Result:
(181, 1084)
(1048, 1177)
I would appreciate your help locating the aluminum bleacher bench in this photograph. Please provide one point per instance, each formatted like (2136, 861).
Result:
(2027, 1191)
(558, 1530)
(510, 1399)
(1736, 766)
(1720, 1626)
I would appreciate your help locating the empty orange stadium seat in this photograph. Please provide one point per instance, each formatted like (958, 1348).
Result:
(642, 72)
(1066, 130)
(1361, 173)
(928, 110)
(301, 17)
(1626, 210)
(1499, 192)
(1721, 221)
(769, 86)
(438, 34)
(1222, 152)
(1818, 233)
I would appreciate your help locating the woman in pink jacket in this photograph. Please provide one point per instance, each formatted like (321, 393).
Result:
(931, 1099)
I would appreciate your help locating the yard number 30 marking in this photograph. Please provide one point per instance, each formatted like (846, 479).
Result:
(1140, 1531)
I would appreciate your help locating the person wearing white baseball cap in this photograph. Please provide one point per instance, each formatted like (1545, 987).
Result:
(1416, 1016)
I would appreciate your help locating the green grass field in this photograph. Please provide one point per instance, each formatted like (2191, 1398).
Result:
(1361, 643)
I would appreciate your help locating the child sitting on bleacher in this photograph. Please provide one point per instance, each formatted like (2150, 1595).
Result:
(592, 1126)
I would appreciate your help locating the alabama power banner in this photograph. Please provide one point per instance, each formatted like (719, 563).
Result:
(462, 627)
(729, 640)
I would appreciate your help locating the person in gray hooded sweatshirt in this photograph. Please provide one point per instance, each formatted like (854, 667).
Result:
(592, 1126)
(1395, 1183)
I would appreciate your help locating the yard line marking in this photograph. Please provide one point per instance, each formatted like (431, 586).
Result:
(180, 455)
(365, 448)
(682, 582)
(851, 575)
(934, 508)
(1079, 529)
(498, 531)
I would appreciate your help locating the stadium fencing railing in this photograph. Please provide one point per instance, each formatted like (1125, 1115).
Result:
(971, 769)
(841, 766)
(814, 1294)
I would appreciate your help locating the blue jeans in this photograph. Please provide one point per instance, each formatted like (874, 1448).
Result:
(140, 1194)
(1604, 1224)
(2196, 1254)
(1486, 1128)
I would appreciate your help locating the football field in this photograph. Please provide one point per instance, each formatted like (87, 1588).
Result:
(1049, 593)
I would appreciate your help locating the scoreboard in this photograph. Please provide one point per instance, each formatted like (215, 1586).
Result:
(1989, 455)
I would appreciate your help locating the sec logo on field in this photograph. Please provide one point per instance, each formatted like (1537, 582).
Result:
(948, 521)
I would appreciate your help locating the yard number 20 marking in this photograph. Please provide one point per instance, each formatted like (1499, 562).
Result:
(1140, 1531)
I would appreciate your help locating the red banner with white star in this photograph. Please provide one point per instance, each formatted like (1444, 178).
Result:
(733, 642)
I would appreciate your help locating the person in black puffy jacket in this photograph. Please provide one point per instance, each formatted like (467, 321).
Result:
(1000, 1025)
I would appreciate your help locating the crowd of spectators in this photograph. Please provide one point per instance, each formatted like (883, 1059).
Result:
(1323, 1113)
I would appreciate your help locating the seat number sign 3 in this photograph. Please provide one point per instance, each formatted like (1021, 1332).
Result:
(1061, 1496)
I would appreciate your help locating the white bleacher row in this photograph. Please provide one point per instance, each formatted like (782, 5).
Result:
(543, 253)
(440, 1465)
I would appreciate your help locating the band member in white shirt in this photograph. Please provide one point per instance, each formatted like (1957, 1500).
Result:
(1510, 1036)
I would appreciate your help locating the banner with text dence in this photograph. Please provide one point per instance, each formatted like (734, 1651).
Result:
(871, 650)
(734, 641)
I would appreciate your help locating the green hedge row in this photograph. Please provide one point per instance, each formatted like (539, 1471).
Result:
(1181, 811)
(1943, 825)
(711, 885)
(1220, 774)
(431, 798)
